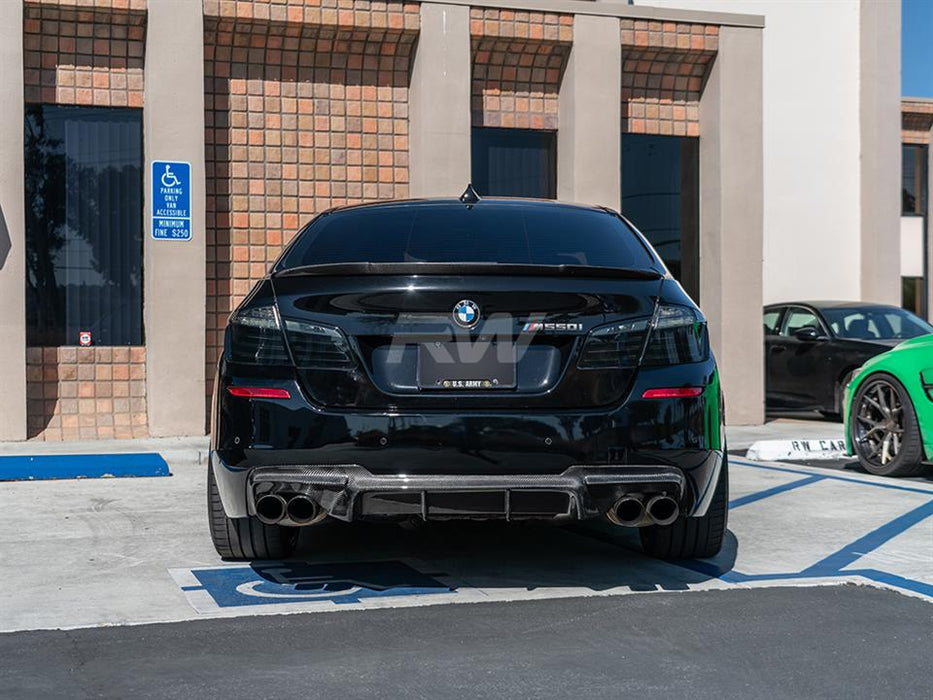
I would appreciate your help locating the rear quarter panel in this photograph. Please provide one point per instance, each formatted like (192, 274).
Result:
(906, 364)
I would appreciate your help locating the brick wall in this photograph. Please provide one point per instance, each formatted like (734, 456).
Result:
(79, 54)
(306, 109)
(86, 393)
(518, 62)
(82, 55)
(664, 70)
(916, 121)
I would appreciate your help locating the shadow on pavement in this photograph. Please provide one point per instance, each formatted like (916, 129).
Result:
(493, 555)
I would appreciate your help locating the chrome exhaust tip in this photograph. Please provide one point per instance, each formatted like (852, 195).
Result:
(628, 511)
(270, 509)
(663, 510)
(301, 510)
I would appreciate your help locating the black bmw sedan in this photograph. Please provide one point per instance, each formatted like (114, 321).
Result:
(813, 347)
(480, 359)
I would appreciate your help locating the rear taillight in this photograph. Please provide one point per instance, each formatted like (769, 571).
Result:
(678, 336)
(674, 335)
(618, 346)
(315, 346)
(255, 338)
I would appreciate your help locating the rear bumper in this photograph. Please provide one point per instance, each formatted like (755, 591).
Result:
(354, 453)
(351, 492)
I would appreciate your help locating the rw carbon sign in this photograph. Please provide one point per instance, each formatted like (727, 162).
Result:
(171, 200)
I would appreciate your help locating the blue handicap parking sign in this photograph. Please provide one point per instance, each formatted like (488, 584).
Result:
(301, 582)
(171, 200)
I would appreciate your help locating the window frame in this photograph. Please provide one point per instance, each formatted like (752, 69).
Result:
(810, 310)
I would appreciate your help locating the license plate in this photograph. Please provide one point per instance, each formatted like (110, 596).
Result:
(466, 366)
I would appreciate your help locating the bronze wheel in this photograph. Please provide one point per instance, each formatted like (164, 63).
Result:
(884, 428)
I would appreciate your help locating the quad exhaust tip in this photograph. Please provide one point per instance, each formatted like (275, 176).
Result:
(663, 510)
(270, 509)
(628, 511)
(633, 511)
(301, 510)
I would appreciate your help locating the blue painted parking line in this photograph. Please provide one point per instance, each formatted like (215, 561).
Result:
(277, 583)
(834, 477)
(853, 551)
(90, 466)
(832, 566)
(773, 491)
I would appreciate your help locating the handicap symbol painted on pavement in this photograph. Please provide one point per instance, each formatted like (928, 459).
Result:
(302, 582)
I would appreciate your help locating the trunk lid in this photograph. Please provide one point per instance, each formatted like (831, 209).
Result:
(412, 352)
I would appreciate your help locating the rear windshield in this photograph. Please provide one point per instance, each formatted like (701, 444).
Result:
(487, 232)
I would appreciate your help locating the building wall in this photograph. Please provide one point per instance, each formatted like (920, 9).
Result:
(812, 145)
(916, 243)
(86, 393)
(304, 111)
(664, 70)
(81, 55)
(518, 62)
(308, 104)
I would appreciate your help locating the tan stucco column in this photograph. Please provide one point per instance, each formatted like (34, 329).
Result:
(439, 102)
(175, 270)
(880, 162)
(12, 229)
(731, 219)
(588, 140)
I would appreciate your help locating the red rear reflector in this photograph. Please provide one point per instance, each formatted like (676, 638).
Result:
(258, 392)
(680, 392)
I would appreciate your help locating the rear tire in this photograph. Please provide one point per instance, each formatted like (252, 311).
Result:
(692, 538)
(245, 539)
(867, 421)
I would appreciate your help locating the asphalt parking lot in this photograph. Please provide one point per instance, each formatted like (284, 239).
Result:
(824, 588)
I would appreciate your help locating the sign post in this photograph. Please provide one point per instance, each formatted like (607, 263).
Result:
(171, 200)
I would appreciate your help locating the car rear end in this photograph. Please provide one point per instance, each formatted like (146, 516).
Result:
(436, 360)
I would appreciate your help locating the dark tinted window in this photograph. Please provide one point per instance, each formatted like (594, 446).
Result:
(84, 222)
(913, 179)
(798, 319)
(514, 162)
(874, 323)
(661, 196)
(770, 320)
(913, 294)
(487, 232)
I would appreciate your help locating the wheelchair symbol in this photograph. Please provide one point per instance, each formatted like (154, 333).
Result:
(168, 177)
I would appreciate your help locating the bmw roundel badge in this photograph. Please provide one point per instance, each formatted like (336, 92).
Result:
(466, 313)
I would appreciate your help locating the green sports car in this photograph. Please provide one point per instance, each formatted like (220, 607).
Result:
(889, 410)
